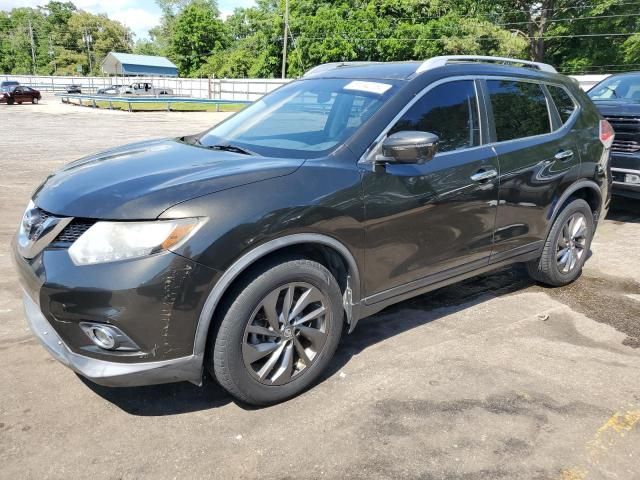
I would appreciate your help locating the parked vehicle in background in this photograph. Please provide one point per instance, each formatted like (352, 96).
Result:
(110, 90)
(618, 99)
(73, 88)
(246, 249)
(8, 83)
(19, 94)
(144, 88)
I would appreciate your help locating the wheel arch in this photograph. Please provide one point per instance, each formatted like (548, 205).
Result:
(351, 293)
(588, 190)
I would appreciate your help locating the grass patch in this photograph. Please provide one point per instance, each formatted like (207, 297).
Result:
(175, 106)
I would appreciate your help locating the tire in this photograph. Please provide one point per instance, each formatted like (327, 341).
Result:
(297, 353)
(19, 102)
(567, 246)
(34, 100)
(10, 101)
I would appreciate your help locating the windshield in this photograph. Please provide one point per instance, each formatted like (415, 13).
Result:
(625, 87)
(302, 119)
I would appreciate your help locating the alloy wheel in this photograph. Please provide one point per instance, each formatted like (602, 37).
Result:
(572, 242)
(286, 333)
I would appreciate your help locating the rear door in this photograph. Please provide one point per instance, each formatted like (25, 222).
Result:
(537, 154)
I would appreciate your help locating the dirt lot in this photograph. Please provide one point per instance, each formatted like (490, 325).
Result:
(496, 378)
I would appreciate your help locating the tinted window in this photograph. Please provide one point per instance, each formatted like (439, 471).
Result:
(563, 101)
(519, 109)
(450, 111)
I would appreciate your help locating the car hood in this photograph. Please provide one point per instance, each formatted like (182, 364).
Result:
(620, 108)
(141, 180)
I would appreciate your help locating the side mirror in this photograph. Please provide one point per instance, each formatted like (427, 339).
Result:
(410, 147)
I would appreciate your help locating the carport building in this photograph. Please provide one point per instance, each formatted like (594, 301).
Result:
(128, 64)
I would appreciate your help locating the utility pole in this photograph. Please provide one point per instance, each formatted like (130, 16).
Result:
(286, 35)
(87, 40)
(52, 54)
(33, 48)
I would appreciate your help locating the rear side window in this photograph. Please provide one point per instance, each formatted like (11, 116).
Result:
(563, 101)
(519, 109)
(450, 111)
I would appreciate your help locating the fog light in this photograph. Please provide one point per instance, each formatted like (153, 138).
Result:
(108, 337)
(103, 337)
(632, 178)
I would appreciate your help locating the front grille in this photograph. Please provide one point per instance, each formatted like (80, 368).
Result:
(627, 130)
(73, 231)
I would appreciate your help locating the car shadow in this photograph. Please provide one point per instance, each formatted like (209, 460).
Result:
(439, 303)
(184, 397)
(165, 399)
(624, 210)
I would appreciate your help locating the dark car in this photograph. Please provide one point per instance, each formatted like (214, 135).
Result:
(19, 94)
(618, 99)
(73, 88)
(244, 250)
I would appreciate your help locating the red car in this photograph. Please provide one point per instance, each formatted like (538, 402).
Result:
(19, 94)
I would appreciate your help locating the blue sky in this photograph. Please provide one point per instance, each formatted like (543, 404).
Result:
(139, 15)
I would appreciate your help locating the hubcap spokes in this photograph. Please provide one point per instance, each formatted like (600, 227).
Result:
(572, 243)
(286, 333)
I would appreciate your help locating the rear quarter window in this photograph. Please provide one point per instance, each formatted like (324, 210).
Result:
(519, 109)
(563, 102)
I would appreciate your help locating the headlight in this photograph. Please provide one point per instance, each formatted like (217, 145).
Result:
(111, 241)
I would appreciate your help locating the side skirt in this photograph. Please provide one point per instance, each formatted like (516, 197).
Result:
(374, 303)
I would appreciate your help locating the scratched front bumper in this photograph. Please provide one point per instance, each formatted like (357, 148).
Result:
(155, 300)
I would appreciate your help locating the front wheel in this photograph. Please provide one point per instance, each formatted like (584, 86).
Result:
(279, 332)
(566, 247)
(34, 100)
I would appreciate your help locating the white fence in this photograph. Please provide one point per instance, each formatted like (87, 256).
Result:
(213, 88)
(588, 81)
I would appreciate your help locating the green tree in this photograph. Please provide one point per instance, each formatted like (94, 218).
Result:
(197, 33)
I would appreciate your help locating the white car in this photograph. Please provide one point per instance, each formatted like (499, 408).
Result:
(144, 88)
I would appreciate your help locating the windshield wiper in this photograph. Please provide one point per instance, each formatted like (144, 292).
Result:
(227, 147)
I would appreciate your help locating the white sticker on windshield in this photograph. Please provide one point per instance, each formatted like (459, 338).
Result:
(370, 87)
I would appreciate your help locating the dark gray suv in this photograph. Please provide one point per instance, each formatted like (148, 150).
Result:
(246, 250)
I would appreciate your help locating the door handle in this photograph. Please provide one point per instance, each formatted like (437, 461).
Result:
(484, 175)
(563, 155)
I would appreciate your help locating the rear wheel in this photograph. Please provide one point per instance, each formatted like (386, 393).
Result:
(566, 247)
(279, 332)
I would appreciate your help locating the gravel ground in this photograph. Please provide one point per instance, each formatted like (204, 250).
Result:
(493, 378)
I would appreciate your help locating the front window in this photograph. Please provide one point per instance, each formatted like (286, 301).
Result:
(450, 111)
(303, 119)
(625, 87)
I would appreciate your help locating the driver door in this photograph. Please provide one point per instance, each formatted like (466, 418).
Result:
(428, 221)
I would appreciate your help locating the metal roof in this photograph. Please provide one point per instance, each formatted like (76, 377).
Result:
(146, 60)
(129, 63)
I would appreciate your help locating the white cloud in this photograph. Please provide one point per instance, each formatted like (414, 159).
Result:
(137, 19)
(138, 15)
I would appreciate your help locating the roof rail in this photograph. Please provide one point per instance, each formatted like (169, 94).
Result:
(444, 60)
(325, 67)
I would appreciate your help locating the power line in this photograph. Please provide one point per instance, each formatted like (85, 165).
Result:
(465, 37)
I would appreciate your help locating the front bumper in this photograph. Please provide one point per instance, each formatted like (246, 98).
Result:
(110, 374)
(621, 166)
(156, 301)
